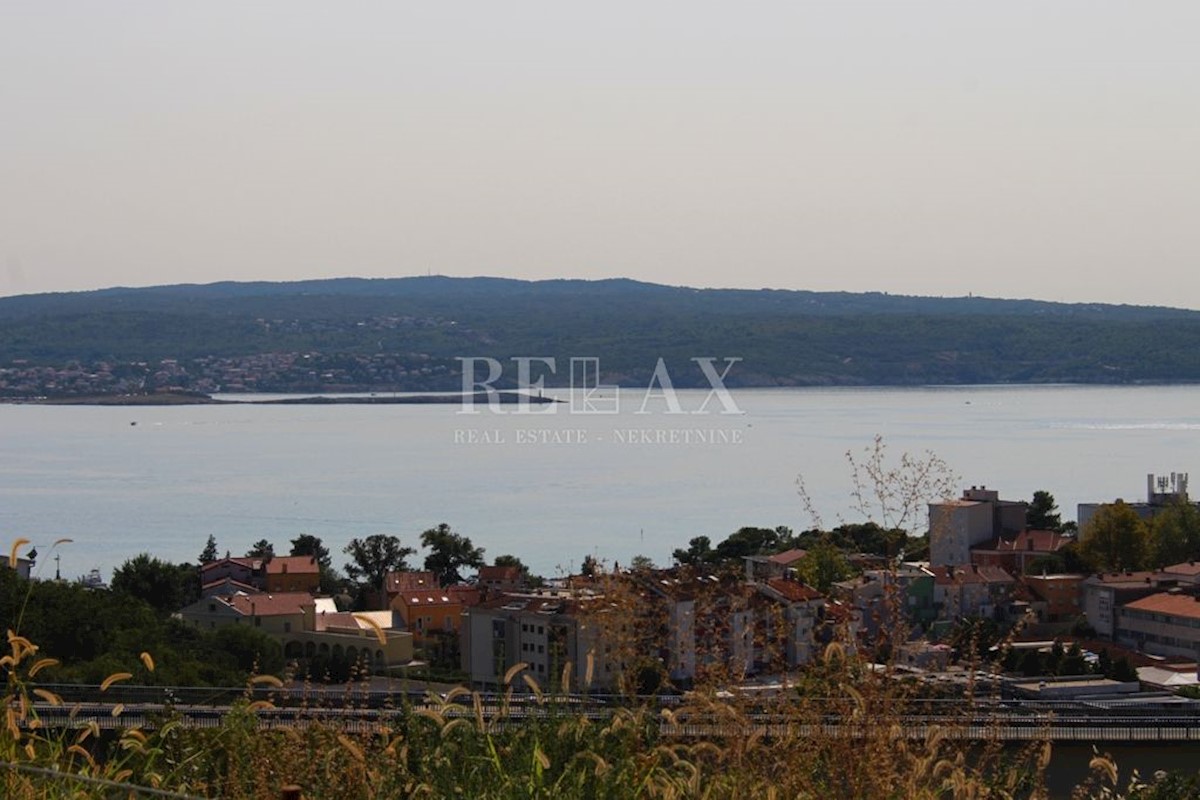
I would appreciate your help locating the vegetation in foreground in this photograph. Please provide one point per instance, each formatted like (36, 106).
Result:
(457, 746)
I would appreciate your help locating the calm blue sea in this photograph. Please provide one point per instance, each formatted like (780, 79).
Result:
(549, 488)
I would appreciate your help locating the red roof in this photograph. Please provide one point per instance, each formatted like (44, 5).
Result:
(1177, 605)
(1026, 542)
(271, 605)
(973, 573)
(793, 591)
(293, 565)
(254, 564)
(408, 581)
(1186, 568)
(510, 574)
(788, 556)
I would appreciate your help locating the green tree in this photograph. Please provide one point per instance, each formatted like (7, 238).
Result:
(209, 553)
(165, 586)
(308, 545)
(699, 551)
(823, 565)
(448, 552)
(261, 549)
(590, 566)
(1115, 538)
(1175, 535)
(1042, 514)
(372, 558)
(640, 563)
(508, 560)
(747, 541)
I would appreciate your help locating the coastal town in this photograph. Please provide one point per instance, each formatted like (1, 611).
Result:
(995, 592)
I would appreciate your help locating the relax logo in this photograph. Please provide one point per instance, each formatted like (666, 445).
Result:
(587, 395)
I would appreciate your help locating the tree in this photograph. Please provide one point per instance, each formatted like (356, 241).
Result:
(699, 551)
(747, 541)
(308, 545)
(261, 549)
(507, 560)
(448, 551)
(165, 586)
(823, 565)
(209, 553)
(1175, 535)
(1042, 514)
(590, 566)
(640, 563)
(374, 557)
(1115, 538)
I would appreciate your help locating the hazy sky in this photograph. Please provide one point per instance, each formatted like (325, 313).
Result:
(1019, 149)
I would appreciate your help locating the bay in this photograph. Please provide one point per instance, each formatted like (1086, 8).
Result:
(549, 488)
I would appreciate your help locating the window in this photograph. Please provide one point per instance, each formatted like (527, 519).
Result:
(258, 622)
(287, 627)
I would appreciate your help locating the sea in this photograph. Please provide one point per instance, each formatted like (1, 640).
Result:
(613, 476)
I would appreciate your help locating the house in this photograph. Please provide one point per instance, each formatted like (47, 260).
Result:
(791, 613)
(544, 631)
(773, 566)
(1055, 598)
(1163, 624)
(306, 627)
(1104, 593)
(271, 613)
(246, 571)
(23, 567)
(955, 526)
(425, 613)
(971, 591)
(1015, 554)
(396, 582)
(292, 574)
(498, 580)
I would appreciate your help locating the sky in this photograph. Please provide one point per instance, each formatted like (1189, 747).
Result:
(1008, 149)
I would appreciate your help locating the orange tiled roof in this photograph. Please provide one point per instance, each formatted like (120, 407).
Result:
(788, 556)
(499, 573)
(271, 605)
(1177, 605)
(793, 591)
(1026, 542)
(398, 582)
(293, 565)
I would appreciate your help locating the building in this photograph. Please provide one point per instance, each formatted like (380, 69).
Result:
(1162, 491)
(1162, 624)
(544, 631)
(1055, 598)
(955, 526)
(306, 626)
(430, 612)
(791, 613)
(292, 574)
(773, 566)
(1104, 593)
(971, 591)
(498, 580)
(23, 567)
(1017, 553)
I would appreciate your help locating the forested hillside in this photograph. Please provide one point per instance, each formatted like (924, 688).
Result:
(782, 337)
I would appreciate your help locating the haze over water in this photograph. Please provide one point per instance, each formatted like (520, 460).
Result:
(548, 488)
